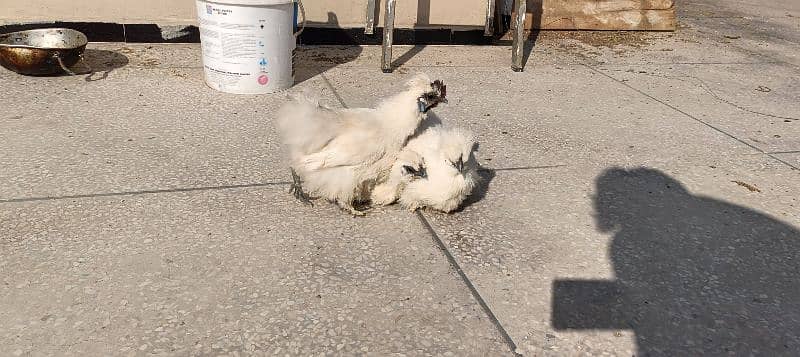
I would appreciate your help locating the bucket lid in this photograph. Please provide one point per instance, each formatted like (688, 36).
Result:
(252, 2)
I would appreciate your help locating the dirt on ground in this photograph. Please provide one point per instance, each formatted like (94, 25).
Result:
(598, 39)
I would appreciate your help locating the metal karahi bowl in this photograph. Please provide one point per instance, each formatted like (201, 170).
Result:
(43, 51)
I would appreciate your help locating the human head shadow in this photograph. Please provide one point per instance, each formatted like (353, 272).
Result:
(694, 275)
(101, 62)
(312, 61)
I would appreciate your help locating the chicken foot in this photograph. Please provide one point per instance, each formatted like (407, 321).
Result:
(296, 189)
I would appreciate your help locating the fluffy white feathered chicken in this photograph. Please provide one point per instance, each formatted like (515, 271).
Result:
(436, 169)
(340, 154)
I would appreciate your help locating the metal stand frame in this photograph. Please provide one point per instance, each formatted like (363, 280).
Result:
(369, 27)
(518, 45)
(489, 27)
(388, 37)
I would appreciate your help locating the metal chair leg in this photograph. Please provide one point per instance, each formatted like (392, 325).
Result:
(518, 43)
(369, 27)
(489, 29)
(388, 29)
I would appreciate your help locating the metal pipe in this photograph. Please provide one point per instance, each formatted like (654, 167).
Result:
(369, 28)
(518, 43)
(489, 29)
(388, 29)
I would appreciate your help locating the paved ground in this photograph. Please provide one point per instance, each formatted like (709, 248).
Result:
(641, 199)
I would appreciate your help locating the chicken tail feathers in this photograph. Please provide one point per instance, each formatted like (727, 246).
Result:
(302, 125)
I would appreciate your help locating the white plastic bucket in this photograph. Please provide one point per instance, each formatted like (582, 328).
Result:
(248, 45)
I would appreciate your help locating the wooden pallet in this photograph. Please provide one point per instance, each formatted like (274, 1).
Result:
(641, 15)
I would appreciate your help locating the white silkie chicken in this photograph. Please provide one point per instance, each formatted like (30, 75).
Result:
(436, 170)
(340, 154)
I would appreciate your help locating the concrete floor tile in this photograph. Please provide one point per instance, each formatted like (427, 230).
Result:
(791, 158)
(137, 129)
(638, 259)
(552, 117)
(225, 271)
(756, 103)
(143, 213)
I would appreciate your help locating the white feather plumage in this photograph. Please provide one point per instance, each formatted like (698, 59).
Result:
(436, 150)
(340, 154)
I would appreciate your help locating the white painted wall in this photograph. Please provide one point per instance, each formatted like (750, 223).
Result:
(341, 13)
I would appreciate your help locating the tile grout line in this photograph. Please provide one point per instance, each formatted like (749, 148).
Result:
(691, 117)
(472, 289)
(521, 168)
(335, 92)
(687, 63)
(193, 189)
(141, 192)
(743, 49)
(450, 259)
(784, 162)
(784, 152)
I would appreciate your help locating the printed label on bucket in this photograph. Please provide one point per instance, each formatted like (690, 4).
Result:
(247, 49)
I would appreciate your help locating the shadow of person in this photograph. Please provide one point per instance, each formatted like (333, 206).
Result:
(695, 276)
(100, 63)
(310, 61)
